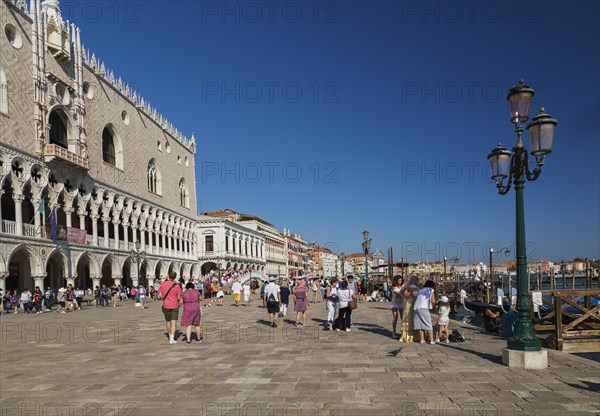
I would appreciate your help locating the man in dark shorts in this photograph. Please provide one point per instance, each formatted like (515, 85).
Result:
(272, 298)
(170, 292)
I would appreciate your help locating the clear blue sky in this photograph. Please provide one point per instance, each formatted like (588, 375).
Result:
(358, 115)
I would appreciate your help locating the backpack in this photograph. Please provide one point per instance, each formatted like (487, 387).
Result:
(456, 336)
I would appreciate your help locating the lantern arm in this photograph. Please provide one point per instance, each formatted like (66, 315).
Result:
(531, 175)
(512, 171)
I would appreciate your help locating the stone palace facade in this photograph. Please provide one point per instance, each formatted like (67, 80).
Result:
(89, 171)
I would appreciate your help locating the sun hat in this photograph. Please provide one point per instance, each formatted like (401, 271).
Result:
(444, 299)
(62, 289)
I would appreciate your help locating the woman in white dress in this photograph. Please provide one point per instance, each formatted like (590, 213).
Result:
(246, 291)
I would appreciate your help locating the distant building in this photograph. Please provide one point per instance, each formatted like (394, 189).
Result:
(226, 245)
(297, 250)
(275, 256)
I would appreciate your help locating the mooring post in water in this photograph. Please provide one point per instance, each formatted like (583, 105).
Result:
(563, 270)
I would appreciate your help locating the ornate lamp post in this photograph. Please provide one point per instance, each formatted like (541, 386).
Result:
(444, 268)
(138, 255)
(514, 166)
(343, 261)
(366, 245)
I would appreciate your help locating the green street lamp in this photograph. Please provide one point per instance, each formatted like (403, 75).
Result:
(445, 259)
(138, 255)
(514, 166)
(366, 245)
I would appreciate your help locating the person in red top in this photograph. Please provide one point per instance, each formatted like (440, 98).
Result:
(170, 292)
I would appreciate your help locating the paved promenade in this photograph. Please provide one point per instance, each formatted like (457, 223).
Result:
(117, 361)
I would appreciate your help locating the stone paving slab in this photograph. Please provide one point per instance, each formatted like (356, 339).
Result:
(113, 361)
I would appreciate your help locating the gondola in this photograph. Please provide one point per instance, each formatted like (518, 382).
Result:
(480, 307)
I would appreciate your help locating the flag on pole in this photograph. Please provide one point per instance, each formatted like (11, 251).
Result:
(53, 225)
(42, 206)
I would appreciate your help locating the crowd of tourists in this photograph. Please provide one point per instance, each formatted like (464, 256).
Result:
(409, 302)
(72, 298)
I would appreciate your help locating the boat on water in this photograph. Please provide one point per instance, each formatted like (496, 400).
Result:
(480, 307)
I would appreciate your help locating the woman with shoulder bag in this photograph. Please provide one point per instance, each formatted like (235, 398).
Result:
(422, 317)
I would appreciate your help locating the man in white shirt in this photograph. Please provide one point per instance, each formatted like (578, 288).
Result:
(236, 289)
(273, 299)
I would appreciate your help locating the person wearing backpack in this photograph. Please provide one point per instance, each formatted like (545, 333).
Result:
(272, 296)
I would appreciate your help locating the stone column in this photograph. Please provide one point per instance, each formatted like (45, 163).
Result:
(164, 244)
(142, 238)
(150, 238)
(116, 230)
(68, 212)
(125, 235)
(1, 193)
(38, 281)
(105, 220)
(95, 282)
(150, 283)
(94, 218)
(169, 245)
(37, 219)
(81, 220)
(71, 281)
(18, 199)
(134, 233)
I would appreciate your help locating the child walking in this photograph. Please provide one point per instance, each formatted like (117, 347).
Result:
(443, 319)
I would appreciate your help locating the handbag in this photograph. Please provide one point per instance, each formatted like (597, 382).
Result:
(353, 304)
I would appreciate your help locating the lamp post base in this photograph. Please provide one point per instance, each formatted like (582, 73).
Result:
(531, 360)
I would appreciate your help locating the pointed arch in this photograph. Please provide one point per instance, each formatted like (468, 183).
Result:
(63, 129)
(92, 261)
(154, 178)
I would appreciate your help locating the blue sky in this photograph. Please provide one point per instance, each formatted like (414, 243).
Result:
(329, 118)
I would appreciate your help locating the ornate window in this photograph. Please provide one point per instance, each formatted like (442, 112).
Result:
(184, 197)
(58, 130)
(154, 183)
(108, 147)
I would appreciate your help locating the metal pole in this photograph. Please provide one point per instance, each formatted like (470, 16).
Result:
(524, 338)
(491, 273)
(138, 264)
(444, 278)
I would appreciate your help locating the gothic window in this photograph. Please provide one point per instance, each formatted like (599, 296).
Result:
(184, 199)
(108, 147)
(58, 130)
(154, 184)
(3, 93)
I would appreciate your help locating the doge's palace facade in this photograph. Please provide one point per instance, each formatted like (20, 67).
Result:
(89, 171)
